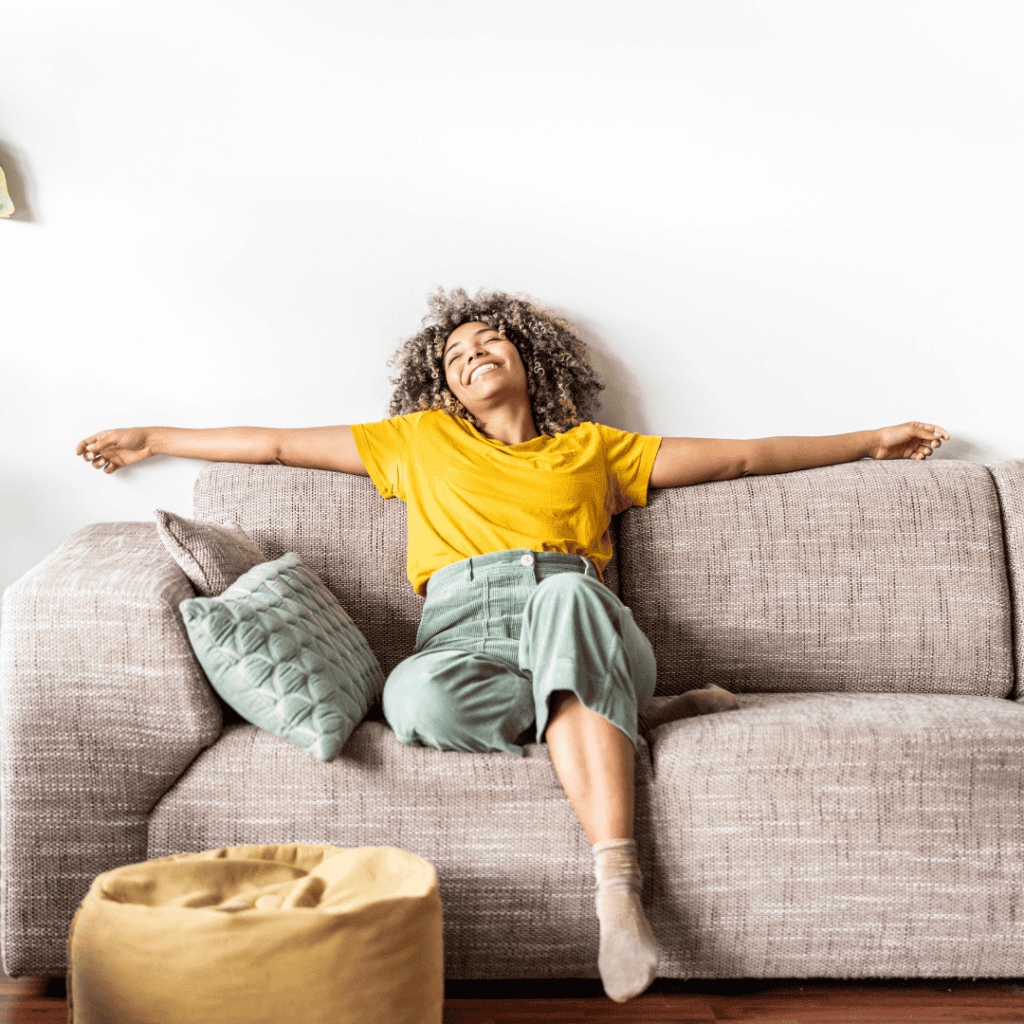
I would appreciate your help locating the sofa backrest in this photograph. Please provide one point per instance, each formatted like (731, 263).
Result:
(884, 576)
(865, 576)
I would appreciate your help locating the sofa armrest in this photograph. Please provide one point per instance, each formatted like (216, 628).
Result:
(102, 707)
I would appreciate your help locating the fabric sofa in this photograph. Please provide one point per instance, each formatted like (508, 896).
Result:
(859, 815)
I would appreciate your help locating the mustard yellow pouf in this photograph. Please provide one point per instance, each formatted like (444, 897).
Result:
(253, 934)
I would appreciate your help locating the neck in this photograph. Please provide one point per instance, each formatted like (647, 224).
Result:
(507, 426)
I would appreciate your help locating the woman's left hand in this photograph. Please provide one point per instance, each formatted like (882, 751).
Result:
(907, 441)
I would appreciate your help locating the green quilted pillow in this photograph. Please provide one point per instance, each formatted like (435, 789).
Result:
(278, 647)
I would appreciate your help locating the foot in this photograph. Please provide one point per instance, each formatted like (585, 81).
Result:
(628, 957)
(706, 701)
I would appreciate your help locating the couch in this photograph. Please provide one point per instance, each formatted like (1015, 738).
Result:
(859, 815)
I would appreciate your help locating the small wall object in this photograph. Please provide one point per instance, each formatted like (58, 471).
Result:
(6, 206)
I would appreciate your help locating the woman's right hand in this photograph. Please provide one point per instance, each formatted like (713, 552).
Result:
(111, 449)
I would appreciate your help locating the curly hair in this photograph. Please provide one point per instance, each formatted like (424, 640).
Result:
(560, 383)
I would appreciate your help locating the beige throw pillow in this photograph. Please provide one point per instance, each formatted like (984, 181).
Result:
(212, 556)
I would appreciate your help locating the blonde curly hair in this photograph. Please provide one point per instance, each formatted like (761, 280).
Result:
(560, 383)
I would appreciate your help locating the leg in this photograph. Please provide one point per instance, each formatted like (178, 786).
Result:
(591, 666)
(457, 700)
(594, 762)
(584, 652)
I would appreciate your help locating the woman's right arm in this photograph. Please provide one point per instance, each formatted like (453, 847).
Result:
(320, 448)
(313, 447)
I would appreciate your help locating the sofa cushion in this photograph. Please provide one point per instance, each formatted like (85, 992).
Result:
(839, 835)
(212, 556)
(280, 649)
(507, 845)
(870, 576)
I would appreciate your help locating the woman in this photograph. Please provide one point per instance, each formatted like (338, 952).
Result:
(509, 488)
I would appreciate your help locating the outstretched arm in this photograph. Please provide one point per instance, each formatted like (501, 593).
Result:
(331, 448)
(682, 461)
(911, 440)
(110, 450)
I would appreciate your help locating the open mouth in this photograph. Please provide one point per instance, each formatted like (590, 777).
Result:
(477, 374)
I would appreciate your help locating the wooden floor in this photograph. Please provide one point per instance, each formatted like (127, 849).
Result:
(800, 1001)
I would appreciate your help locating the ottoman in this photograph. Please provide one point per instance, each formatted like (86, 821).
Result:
(294, 932)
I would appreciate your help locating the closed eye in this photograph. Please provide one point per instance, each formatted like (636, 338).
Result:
(457, 354)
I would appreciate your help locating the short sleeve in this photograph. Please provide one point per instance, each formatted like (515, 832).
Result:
(629, 458)
(384, 447)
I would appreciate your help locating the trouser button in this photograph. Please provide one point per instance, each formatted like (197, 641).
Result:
(527, 559)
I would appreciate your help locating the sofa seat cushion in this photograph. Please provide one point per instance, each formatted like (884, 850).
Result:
(840, 835)
(515, 868)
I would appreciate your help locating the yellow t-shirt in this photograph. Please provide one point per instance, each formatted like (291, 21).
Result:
(467, 494)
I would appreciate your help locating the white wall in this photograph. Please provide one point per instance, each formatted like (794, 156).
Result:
(767, 218)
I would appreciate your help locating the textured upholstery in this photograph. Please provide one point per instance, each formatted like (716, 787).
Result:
(865, 576)
(102, 706)
(840, 835)
(211, 555)
(499, 830)
(858, 816)
(1008, 476)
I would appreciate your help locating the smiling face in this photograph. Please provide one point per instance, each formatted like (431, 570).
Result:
(473, 345)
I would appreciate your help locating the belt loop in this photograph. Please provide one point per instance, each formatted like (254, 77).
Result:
(468, 575)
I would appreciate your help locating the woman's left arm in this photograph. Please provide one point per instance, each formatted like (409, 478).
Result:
(912, 440)
(683, 461)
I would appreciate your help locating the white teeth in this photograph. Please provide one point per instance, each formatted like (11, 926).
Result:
(483, 369)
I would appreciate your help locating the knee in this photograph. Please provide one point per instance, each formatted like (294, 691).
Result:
(415, 702)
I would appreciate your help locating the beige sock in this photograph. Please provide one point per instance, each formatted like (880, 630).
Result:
(628, 959)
